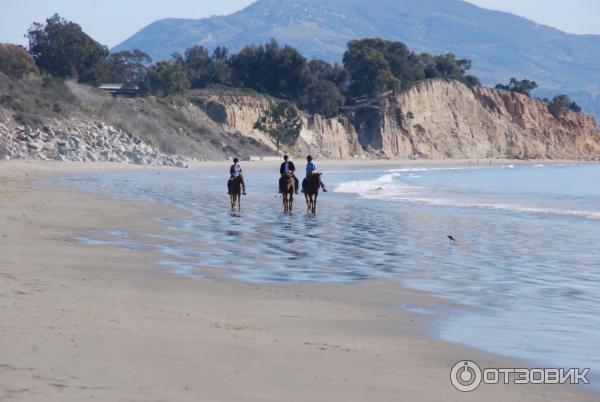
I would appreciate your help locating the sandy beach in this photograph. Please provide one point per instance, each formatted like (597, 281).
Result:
(101, 323)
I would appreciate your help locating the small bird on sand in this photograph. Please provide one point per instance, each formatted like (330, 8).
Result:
(452, 239)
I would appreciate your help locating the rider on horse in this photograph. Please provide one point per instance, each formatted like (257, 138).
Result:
(286, 168)
(236, 172)
(310, 169)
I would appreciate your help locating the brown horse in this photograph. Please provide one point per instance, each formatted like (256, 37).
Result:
(288, 188)
(311, 187)
(235, 192)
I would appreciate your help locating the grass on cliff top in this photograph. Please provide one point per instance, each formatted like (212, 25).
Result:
(35, 99)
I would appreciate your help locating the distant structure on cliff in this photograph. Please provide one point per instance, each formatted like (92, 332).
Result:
(121, 89)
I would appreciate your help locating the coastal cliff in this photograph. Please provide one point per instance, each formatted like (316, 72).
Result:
(435, 119)
(330, 138)
(440, 119)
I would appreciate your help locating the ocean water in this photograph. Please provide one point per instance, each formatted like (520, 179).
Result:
(525, 265)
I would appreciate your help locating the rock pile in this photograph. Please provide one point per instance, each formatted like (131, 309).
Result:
(91, 143)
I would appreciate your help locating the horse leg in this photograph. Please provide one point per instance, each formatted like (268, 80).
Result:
(239, 201)
(315, 203)
(291, 201)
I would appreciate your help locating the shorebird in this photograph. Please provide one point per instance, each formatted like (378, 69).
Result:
(452, 239)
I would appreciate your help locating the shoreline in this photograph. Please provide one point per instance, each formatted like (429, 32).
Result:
(103, 322)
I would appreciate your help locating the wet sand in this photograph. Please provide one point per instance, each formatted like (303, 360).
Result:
(82, 322)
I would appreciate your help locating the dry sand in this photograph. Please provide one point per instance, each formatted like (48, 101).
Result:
(100, 323)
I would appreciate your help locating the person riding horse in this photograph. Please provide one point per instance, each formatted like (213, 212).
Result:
(235, 172)
(287, 167)
(311, 168)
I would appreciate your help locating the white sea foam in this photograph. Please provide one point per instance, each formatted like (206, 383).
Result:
(387, 189)
(402, 170)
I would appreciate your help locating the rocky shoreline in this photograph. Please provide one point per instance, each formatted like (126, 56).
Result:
(90, 142)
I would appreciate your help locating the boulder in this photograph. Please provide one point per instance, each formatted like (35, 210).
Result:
(63, 148)
(35, 145)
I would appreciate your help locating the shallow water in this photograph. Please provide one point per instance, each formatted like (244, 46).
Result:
(526, 261)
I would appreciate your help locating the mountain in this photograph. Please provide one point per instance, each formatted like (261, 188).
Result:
(501, 45)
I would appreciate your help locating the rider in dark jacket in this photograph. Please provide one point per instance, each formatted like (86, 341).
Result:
(286, 167)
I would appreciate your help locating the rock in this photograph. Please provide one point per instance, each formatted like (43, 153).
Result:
(35, 145)
(91, 156)
(49, 131)
(49, 146)
(63, 148)
(83, 142)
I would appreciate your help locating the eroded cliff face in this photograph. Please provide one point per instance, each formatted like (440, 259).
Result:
(439, 119)
(236, 112)
(325, 138)
(433, 120)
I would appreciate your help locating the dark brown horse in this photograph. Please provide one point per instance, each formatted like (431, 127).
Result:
(235, 192)
(288, 188)
(311, 187)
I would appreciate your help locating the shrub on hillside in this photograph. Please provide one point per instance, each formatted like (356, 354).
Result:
(519, 86)
(561, 104)
(15, 61)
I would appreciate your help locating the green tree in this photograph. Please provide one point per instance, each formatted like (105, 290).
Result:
(322, 97)
(222, 73)
(270, 69)
(562, 104)
(519, 86)
(472, 81)
(199, 66)
(376, 65)
(15, 61)
(282, 123)
(167, 78)
(365, 64)
(62, 49)
(574, 107)
(322, 70)
(128, 67)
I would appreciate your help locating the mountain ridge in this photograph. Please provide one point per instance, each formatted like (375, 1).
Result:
(501, 45)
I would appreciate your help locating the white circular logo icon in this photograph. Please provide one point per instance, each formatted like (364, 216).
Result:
(465, 376)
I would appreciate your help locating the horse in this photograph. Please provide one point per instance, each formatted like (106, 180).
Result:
(235, 192)
(310, 187)
(288, 187)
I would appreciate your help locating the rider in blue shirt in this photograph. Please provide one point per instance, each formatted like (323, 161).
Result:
(235, 171)
(310, 169)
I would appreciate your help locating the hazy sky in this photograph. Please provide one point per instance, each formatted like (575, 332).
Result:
(112, 21)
